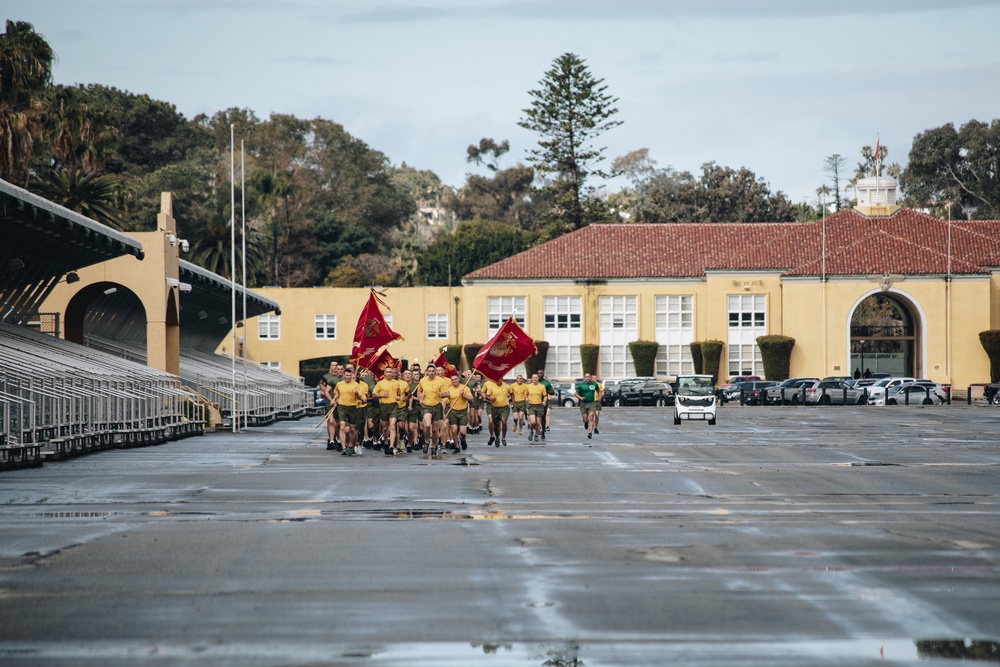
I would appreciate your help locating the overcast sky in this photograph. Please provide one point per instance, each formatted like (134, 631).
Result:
(772, 85)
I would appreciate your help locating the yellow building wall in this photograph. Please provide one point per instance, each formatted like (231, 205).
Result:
(803, 309)
(408, 309)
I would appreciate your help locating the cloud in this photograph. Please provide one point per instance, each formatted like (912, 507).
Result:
(629, 10)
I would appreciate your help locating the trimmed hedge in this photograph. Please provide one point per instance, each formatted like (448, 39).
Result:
(588, 357)
(537, 360)
(711, 357)
(696, 359)
(991, 343)
(776, 355)
(453, 353)
(471, 350)
(644, 356)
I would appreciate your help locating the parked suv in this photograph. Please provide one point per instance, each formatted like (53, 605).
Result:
(730, 391)
(652, 392)
(789, 391)
(826, 392)
(877, 391)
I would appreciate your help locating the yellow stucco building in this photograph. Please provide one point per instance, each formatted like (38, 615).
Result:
(877, 287)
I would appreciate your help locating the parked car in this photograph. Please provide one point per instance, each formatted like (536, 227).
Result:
(695, 398)
(652, 392)
(917, 393)
(565, 394)
(613, 392)
(827, 392)
(877, 392)
(788, 392)
(991, 392)
(730, 390)
(752, 393)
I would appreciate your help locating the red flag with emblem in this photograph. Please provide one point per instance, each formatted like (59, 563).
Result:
(377, 366)
(372, 333)
(443, 364)
(509, 347)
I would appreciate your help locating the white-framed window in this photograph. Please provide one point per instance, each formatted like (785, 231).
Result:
(747, 321)
(500, 308)
(437, 325)
(269, 327)
(619, 326)
(619, 312)
(271, 365)
(326, 327)
(563, 312)
(564, 333)
(674, 317)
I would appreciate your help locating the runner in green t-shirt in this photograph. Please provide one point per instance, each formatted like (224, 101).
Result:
(589, 393)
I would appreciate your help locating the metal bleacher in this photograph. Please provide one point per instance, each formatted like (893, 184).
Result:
(58, 400)
(263, 397)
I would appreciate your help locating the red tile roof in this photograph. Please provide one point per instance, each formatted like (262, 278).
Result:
(907, 242)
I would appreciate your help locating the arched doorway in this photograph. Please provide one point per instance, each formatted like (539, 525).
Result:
(885, 336)
(108, 311)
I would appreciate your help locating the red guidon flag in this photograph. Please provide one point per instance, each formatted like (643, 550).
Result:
(443, 364)
(509, 347)
(372, 333)
(378, 365)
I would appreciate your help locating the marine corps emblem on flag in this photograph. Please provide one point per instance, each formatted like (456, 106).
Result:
(508, 347)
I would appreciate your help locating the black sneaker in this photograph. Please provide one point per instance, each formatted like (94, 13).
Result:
(388, 451)
(409, 450)
(504, 443)
(543, 435)
(596, 432)
(492, 440)
(425, 448)
(465, 445)
(589, 436)
(330, 445)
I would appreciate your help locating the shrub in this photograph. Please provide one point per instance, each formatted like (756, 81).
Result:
(711, 356)
(991, 343)
(471, 350)
(644, 356)
(776, 354)
(696, 357)
(588, 357)
(453, 353)
(537, 360)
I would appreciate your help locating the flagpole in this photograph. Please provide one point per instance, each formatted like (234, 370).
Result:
(232, 264)
(243, 217)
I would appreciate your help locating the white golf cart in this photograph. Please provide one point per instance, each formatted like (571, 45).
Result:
(695, 398)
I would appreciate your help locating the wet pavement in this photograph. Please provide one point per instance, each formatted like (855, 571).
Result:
(780, 536)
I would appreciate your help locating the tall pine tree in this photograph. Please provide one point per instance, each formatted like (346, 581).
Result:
(570, 110)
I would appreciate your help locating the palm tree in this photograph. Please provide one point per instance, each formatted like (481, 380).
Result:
(25, 70)
(86, 192)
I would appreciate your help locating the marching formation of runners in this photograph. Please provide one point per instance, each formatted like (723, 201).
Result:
(409, 411)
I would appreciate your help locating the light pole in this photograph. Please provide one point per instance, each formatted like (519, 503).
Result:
(862, 344)
(456, 319)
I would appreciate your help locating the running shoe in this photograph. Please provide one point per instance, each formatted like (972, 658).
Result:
(596, 432)
(492, 440)
(504, 443)
(589, 436)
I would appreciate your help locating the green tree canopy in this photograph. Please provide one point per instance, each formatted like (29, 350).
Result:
(721, 194)
(25, 70)
(961, 168)
(473, 245)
